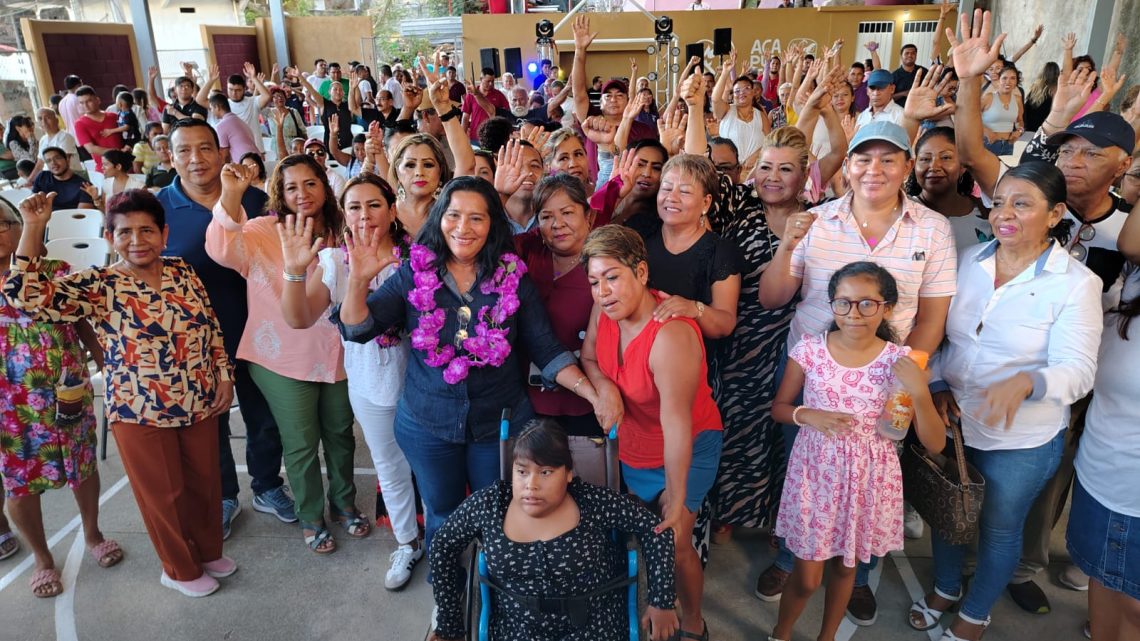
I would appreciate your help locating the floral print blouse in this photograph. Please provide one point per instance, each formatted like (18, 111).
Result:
(162, 350)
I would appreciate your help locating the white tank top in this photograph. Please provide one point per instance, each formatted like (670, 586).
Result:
(998, 117)
(747, 136)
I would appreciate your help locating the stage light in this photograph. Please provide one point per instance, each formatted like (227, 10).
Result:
(532, 68)
(544, 30)
(663, 28)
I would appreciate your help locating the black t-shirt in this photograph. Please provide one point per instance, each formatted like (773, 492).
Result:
(159, 177)
(69, 193)
(344, 122)
(185, 111)
(904, 80)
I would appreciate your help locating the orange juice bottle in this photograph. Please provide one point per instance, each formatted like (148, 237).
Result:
(899, 411)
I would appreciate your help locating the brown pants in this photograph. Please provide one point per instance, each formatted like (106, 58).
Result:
(176, 481)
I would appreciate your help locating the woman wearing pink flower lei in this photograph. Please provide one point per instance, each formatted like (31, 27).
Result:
(467, 303)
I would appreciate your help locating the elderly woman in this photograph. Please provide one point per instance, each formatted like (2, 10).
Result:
(40, 448)
(552, 253)
(1023, 333)
(671, 429)
(168, 377)
(566, 153)
(876, 222)
(300, 372)
(546, 503)
(470, 308)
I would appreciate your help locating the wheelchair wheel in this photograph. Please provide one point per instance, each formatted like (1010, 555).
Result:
(471, 595)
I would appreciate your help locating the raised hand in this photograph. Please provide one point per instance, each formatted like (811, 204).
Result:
(413, 95)
(796, 228)
(1072, 94)
(974, 54)
(249, 70)
(1037, 31)
(848, 122)
(151, 74)
(625, 166)
(582, 35)
(510, 168)
(373, 140)
(944, 9)
(298, 249)
(215, 73)
(871, 46)
(693, 91)
(438, 94)
(599, 130)
(1069, 41)
(632, 69)
(538, 137)
(236, 178)
(274, 71)
(36, 209)
(279, 115)
(334, 127)
(1112, 85)
(363, 248)
(671, 128)
(92, 191)
(922, 101)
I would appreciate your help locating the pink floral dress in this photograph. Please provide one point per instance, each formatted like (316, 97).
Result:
(843, 494)
(42, 446)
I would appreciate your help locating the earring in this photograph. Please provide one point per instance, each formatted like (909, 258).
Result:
(438, 191)
(400, 193)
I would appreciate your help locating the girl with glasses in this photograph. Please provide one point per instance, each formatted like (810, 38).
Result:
(842, 497)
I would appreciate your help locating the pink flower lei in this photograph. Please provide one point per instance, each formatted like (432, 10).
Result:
(489, 345)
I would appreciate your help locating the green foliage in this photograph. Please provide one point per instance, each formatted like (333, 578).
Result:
(386, 18)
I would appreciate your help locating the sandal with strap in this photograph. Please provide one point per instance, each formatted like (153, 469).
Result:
(9, 545)
(106, 554)
(948, 635)
(319, 538)
(926, 614)
(353, 522)
(48, 578)
(683, 634)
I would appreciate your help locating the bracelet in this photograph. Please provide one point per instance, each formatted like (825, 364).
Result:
(454, 113)
(796, 416)
(1051, 124)
(293, 278)
(580, 380)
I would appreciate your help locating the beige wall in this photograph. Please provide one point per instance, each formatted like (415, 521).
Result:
(752, 31)
(334, 38)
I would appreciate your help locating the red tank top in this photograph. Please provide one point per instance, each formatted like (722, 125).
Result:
(642, 445)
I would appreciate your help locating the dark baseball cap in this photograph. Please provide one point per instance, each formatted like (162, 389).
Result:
(1101, 128)
(616, 83)
(880, 78)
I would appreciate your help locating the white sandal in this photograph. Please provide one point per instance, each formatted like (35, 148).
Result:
(947, 635)
(930, 616)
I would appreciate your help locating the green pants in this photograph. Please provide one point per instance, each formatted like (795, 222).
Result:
(309, 415)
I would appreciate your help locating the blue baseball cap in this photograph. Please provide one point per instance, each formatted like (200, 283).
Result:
(1102, 128)
(880, 78)
(883, 130)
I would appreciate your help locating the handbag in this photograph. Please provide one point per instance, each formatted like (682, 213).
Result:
(945, 490)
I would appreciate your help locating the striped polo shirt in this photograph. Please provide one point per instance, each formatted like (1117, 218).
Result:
(918, 251)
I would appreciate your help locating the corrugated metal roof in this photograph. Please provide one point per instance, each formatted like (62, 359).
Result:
(446, 28)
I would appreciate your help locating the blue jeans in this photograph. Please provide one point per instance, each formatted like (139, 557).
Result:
(445, 470)
(784, 558)
(1014, 478)
(262, 440)
(999, 147)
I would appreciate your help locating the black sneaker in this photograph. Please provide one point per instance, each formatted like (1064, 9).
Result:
(770, 585)
(862, 608)
(1029, 597)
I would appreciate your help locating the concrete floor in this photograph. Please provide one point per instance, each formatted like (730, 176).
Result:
(283, 592)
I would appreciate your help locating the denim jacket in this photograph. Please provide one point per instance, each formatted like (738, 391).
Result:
(469, 410)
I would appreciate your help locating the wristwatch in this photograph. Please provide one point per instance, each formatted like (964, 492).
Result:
(700, 309)
(454, 113)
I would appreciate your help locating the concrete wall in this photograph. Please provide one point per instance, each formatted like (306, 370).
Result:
(334, 38)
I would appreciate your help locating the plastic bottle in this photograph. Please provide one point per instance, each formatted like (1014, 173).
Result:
(899, 410)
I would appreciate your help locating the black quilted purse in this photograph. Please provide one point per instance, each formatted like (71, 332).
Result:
(945, 490)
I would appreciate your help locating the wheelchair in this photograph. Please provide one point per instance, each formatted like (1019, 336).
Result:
(481, 586)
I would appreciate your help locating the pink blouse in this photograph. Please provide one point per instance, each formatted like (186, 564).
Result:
(253, 249)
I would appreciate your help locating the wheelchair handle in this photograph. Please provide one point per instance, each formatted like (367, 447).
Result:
(505, 445)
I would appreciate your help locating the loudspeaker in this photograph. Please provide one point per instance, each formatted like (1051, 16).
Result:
(489, 59)
(698, 50)
(512, 60)
(722, 41)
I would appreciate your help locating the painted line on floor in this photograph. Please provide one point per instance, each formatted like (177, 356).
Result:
(913, 587)
(30, 560)
(358, 471)
(847, 629)
(65, 629)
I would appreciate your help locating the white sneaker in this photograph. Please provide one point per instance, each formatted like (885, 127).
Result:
(912, 522)
(401, 562)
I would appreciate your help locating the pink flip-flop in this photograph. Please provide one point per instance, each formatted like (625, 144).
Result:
(46, 578)
(107, 554)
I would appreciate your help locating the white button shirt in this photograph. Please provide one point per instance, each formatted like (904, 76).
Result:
(1045, 322)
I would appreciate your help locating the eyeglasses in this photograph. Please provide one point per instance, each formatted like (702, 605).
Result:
(727, 168)
(6, 225)
(316, 152)
(464, 314)
(1086, 233)
(866, 307)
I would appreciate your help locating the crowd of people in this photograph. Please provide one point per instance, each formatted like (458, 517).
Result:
(739, 281)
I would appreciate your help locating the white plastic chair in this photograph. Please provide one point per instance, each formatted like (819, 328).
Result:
(75, 223)
(80, 253)
(14, 196)
(356, 129)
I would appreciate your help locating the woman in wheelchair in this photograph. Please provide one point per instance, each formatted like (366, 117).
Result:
(550, 555)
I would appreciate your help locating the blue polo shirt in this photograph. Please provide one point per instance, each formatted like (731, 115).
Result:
(187, 221)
